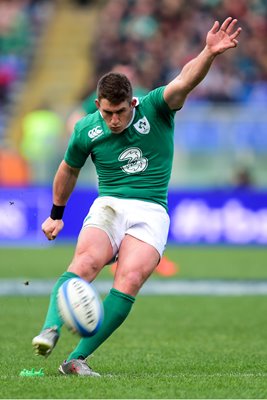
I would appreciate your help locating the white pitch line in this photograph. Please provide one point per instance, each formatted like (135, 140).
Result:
(43, 287)
(169, 376)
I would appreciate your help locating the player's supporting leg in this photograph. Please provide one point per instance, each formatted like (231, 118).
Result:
(117, 306)
(77, 367)
(137, 260)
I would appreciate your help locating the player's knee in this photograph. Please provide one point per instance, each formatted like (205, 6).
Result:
(131, 282)
(86, 266)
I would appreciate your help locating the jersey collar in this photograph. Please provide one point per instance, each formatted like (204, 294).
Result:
(134, 111)
(130, 123)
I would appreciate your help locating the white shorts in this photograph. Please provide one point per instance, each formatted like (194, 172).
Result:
(143, 220)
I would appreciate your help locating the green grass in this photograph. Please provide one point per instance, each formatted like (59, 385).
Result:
(169, 347)
(193, 262)
(188, 347)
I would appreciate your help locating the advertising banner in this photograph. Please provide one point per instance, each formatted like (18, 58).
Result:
(218, 216)
(233, 217)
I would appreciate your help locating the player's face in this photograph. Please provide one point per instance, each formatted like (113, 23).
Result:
(118, 116)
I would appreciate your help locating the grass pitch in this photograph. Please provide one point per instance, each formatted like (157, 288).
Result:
(170, 347)
(188, 347)
(193, 262)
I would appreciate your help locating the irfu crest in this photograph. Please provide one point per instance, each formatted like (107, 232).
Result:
(142, 126)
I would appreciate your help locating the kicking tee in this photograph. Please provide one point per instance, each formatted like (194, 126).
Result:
(135, 164)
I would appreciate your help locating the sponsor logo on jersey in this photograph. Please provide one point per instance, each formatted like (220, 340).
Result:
(136, 162)
(95, 132)
(142, 126)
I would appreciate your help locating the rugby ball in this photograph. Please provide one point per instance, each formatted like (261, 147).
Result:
(80, 307)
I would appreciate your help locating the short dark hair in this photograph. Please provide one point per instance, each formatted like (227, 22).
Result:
(114, 87)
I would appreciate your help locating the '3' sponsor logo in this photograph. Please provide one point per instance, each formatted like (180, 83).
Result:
(136, 161)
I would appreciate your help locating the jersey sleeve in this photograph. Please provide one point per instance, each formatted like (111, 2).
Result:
(78, 150)
(155, 97)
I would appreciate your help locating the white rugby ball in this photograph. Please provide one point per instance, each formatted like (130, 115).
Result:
(80, 307)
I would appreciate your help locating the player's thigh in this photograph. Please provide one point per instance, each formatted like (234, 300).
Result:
(137, 260)
(93, 251)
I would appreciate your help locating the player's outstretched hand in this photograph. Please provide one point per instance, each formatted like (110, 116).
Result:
(224, 37)
(52, 227)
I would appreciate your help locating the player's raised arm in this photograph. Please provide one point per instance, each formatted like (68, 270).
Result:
(219, 39)
(64, 183)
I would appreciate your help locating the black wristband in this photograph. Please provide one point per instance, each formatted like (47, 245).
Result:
(57, 212)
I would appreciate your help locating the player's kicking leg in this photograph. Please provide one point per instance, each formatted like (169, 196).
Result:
(46, 340)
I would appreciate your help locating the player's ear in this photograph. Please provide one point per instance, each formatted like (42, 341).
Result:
(97, 103)
(133, 102)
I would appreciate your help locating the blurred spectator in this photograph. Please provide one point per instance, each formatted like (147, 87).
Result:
(14, 170)
(14, 44)
(42, 132)
(83, 2)
(21, 22)
(243, 178)
(158, 36)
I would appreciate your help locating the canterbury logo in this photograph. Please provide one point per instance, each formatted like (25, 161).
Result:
(142, 126)
(95, 132)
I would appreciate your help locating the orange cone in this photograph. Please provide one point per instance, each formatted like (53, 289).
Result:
(164, 268)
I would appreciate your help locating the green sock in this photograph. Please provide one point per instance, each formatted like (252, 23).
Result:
(52, 316)
(117, 306)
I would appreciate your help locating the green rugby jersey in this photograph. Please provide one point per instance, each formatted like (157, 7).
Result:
(135, 164)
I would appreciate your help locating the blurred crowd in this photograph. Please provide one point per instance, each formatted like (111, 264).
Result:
(159, 37)
(154, 39)
(20, 25)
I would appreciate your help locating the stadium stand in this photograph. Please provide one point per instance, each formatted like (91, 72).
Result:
(21, 24)
(159, 36)
(222, 126)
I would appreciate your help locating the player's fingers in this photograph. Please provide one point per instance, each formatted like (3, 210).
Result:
(215, 27)
(236, 33)
(226, 23)
(234, 43)
(50, 235)
(231, 26)
(57, 229)
(45, 232)
(54, 234)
